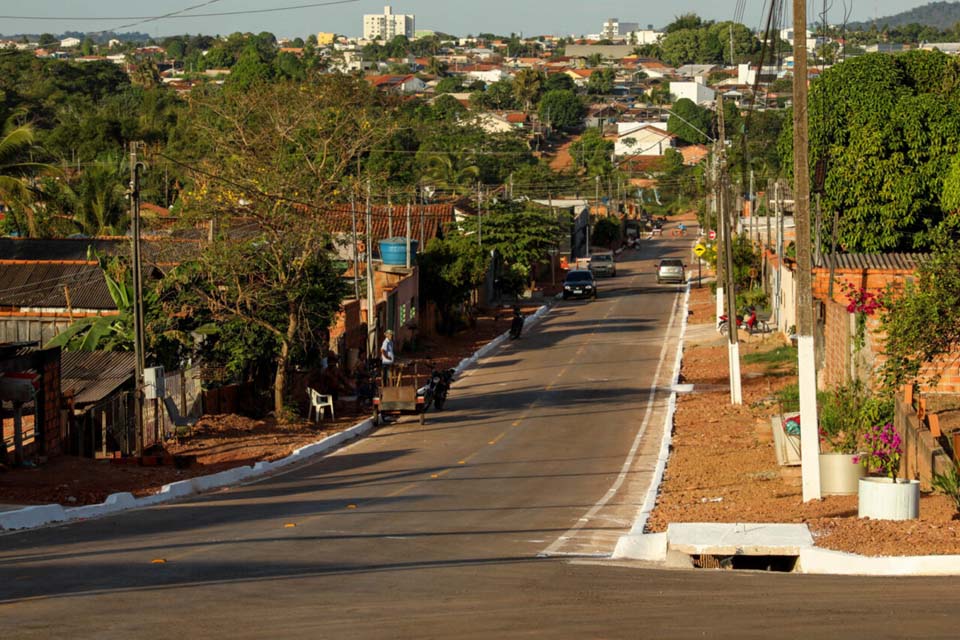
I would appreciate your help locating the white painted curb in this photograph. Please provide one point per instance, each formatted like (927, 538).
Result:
(486, 349)
(826, 561)
(37, 516)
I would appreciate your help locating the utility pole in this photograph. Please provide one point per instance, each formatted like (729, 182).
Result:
(753, 213)
(479, 214)
(806, 370)
(136, 167)
(356, 255)
(733, 348)
(371, 303)
(715, 209)
(408, 235)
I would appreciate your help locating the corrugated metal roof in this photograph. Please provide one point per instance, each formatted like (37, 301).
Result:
(42, 284)
(93, 375)
(877, 261)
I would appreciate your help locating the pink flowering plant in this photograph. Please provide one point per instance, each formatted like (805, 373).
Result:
(884, 449)
(862, 303)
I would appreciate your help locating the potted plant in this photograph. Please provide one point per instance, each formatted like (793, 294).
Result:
(886, 497)
(840, 422)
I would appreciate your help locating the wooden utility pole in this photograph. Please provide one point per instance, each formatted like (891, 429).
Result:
(371, 290)
(138, 342)
(733, 346)
(356, 254)
(807, 373)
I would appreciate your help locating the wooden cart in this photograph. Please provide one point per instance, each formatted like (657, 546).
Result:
(399, 400)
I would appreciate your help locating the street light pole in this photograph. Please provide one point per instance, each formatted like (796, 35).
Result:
(139, 346)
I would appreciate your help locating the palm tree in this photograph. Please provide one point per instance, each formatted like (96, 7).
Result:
(454, 171)
(17, 171)
(527, 85)
(97, 199)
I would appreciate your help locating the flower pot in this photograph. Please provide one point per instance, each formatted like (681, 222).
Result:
(884, 499)
(839, 474)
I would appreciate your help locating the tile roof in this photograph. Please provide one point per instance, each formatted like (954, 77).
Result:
(91, 376)
(435, 217)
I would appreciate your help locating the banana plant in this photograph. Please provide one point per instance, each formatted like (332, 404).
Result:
(104, 333)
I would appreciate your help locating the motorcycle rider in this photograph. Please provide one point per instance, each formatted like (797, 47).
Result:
(516, 324)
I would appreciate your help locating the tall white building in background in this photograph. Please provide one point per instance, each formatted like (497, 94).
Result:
(614, 29)
(387, 26)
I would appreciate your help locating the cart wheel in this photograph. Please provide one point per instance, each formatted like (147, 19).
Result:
(377, 420)
(423, 418)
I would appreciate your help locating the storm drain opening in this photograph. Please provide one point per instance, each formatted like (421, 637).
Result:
(784, 564)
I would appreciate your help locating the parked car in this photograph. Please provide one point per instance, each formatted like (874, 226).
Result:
(579, 283)
(671, 270)
(602, 264)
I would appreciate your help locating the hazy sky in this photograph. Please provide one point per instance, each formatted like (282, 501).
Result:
(460, 17)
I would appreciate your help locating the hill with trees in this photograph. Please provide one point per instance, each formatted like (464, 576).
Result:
(935, 14)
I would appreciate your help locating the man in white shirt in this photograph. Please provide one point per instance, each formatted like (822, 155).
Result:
(386, 356)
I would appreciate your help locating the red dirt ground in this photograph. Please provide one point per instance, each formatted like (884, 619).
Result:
(723, 468)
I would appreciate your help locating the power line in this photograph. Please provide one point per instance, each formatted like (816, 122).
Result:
(176, 14)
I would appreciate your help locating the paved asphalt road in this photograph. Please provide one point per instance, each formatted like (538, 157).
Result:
(489, 522)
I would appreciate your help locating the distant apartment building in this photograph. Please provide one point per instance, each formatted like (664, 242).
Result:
(388, 25)
(613, 29)
(325, 39)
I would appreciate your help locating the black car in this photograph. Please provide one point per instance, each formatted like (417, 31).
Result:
(579, 284)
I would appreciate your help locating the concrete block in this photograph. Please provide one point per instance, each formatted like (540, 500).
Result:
(827, 561)
(642, 546)
(177, 489)
(728, 539)
(30, 517)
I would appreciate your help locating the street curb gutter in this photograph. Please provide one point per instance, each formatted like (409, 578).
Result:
(709, 538)
(40, 515)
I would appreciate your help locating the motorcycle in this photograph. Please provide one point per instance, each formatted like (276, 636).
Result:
(516, 325)
(747, 321)
(442, 381)
(435, 391)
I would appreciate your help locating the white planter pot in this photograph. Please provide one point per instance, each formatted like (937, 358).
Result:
(839, 474)
(884, 499)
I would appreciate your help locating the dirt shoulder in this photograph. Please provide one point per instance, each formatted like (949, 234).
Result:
(723, 467)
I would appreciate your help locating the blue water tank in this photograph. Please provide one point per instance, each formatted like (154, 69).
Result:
(393, 251)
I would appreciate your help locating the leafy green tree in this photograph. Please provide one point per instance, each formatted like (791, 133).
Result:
(601, 81)
(592, 153)
(277, 157)
(250, 70)
(559, 82)
(684, 22)
(47, 40)
(450, 270)
(886, 128)
(562, 109)
(690, 122)
(498, 95)
(527, 87)
(521, 235)
(922, 322)
(17, 171)
(451, 84)
(446, 107)
(605, 232)
(96, 203)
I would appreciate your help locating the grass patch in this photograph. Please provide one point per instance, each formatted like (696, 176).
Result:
(783, 354)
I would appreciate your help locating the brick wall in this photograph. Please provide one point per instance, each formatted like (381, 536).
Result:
(52, 425)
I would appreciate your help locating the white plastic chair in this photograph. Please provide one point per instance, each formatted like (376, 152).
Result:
(318, 403)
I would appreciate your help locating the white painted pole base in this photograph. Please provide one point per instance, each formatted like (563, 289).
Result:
(720, 306)
(809, 431)
(736, 388)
